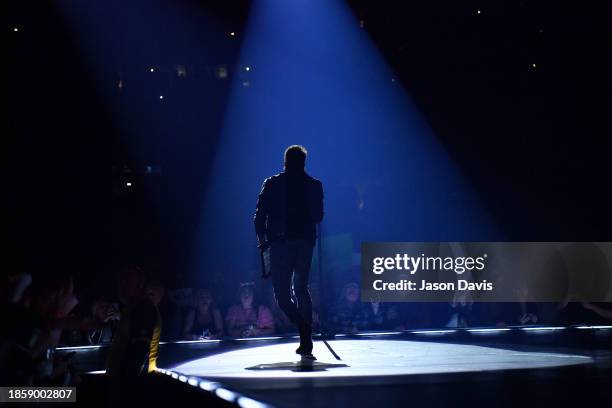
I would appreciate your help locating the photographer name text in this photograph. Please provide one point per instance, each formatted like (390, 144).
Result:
(425, 286)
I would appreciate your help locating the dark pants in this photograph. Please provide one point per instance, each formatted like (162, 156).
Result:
(290, 261)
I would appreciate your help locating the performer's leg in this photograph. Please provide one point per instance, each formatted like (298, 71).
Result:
(300, 279)
(303, 262)
(281, 268)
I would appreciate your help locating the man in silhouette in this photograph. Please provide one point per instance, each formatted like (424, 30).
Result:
(289, 207)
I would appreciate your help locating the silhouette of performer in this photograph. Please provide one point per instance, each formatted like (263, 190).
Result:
(289, 207)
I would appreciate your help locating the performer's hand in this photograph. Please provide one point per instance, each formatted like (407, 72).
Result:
(263, 246)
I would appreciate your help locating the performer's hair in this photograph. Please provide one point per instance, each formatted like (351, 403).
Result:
(295, 157)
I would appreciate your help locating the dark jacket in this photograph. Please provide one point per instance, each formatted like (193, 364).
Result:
(289, 206)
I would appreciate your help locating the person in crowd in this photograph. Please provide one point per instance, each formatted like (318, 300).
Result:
(385, 316)
(135, 344)
(512, 313)
(106, 313)
(14, 286)
(528, 313)
(382, 316)
(223, 295)
(395, 317)
(169, 312)
(377, 315)
(605, 313)
(181, 293)
(249, 319)
(349, 315)
(204, 321)
(27, 344)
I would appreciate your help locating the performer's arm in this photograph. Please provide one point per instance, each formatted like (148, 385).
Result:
(261, 213)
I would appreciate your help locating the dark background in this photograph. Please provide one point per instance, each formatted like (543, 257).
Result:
(532, 141)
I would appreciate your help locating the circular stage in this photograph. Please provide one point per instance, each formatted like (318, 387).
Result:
(363, 361)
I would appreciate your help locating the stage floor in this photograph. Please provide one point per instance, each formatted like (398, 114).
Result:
(501, 367)
(364, 362)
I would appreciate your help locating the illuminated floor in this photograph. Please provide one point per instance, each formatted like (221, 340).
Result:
(363, 361)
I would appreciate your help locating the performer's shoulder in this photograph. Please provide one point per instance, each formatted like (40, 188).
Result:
(314, 180)
(277, 178)
(273, 179)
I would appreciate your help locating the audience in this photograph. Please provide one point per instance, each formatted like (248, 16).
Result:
(39, 313)
(204, 321)
(248, 318)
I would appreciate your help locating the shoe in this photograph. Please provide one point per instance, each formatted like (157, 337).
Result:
(305, 341)
(303, 351)
(307, 359)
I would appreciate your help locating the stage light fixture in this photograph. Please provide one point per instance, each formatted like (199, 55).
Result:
(209, 385)
(226, 394)
(246, 402)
